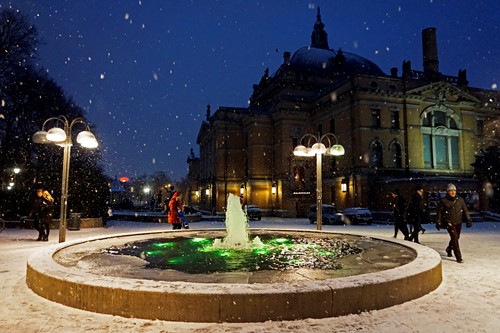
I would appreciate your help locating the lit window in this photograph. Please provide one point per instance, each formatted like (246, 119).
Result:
(440, 133)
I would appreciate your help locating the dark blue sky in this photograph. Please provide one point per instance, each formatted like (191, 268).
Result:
(146, 69)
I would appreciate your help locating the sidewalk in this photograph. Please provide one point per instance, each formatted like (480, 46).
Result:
(468, 300)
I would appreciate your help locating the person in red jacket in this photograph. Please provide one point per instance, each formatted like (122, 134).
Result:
(174, 206)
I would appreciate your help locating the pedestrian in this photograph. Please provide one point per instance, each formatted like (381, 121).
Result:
(108, 215)
(399, 207)
(174, 206)
(417, 213)
(42, 213)
(449, 214)
(47, 213)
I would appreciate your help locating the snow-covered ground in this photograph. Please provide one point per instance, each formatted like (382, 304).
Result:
(468, 300)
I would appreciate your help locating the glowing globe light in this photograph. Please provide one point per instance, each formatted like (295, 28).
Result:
(300, 150)
(318, 148)
(87, 139)
(336, 150)
(56, 134)
(40, 137)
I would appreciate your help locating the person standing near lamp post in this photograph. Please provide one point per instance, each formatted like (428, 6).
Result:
(42, 212)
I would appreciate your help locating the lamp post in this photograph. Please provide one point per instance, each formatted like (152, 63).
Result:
(12, 178)
(62, 137)
(146, 191)
(314, 146)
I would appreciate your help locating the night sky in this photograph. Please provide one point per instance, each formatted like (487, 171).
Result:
(145, 70)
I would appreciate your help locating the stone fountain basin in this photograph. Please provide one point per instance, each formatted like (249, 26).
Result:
(58, 274)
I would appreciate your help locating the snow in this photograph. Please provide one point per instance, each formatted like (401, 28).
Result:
(468, 300)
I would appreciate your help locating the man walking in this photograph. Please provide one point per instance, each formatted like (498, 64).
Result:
(417, 213)
(450, 211)
(399, 207)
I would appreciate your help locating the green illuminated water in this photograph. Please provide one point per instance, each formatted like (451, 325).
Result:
(199, 256)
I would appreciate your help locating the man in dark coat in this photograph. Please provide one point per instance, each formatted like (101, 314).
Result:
(399, 206)
(417, 213)
(449, 214)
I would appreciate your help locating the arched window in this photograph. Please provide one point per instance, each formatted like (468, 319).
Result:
(441, 129)
(396, 154)
(376, 154)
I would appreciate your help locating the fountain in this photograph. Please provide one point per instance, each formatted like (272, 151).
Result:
(236, 252)
(87, 275)
(236, 227)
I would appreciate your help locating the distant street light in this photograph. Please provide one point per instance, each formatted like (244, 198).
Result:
(314, 146)
(146, 191)
(62, 137)
(12, 177)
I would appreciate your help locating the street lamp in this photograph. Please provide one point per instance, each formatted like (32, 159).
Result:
(146, 191)
(12, 177)
(62, 138)
(314, 146)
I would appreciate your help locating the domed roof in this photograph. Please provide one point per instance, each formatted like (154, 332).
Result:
(326, 62)
(319, 59)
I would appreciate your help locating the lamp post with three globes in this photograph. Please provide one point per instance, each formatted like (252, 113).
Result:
(63, 138)
(314, 146)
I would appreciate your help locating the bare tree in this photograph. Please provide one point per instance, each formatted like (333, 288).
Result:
(18, 43)
(27, 98)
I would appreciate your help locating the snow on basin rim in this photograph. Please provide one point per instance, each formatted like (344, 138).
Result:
(43, 262)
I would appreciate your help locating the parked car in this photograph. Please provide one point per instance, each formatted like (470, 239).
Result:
(253, 212)
(329, 215)
(357, 215)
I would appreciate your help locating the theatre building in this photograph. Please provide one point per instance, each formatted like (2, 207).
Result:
(397, 129)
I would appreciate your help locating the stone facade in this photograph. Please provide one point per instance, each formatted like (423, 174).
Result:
(421, 127)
